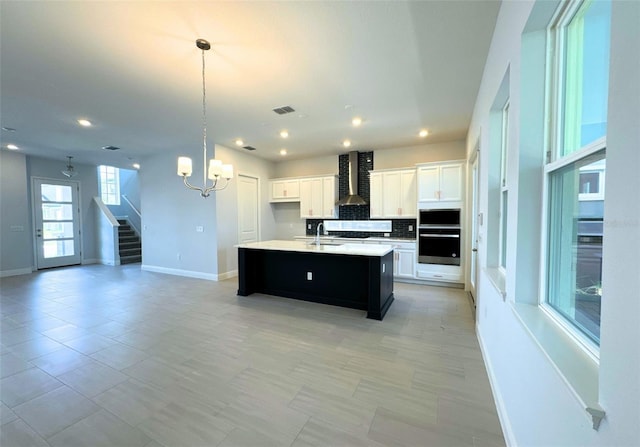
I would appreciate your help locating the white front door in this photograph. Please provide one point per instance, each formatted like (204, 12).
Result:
(473, 274)
(247, 209)
(56, 212)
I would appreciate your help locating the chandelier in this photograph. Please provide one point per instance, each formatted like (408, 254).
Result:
(70, 171)
(217, 170)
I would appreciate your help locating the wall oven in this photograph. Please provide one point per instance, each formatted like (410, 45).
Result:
(439, 237)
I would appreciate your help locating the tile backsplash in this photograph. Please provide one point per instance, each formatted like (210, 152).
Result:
(399, 229)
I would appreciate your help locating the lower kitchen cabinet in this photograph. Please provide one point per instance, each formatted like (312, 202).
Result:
(404, 265)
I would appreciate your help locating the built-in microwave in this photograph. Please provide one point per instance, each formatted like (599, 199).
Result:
(439, 237)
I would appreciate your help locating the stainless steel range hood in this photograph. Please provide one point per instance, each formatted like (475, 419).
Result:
(352, 198)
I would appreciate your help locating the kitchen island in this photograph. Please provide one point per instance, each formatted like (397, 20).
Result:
(357, 276)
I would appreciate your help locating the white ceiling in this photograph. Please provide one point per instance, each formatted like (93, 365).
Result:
(133, 69)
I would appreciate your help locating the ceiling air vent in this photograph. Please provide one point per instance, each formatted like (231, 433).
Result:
(111, 148)
(249, 148)
(283, 110)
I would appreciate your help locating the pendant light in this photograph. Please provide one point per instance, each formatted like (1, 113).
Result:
(69, 172)
(217, 170)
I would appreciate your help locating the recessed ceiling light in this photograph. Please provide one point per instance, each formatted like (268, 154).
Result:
(8, 129)
(85, 123)
(136, 165)
(346, 143)
(12, 147)
(283, 152)
(239, 142)
(423, 133)
(356, 121)
(284, 133)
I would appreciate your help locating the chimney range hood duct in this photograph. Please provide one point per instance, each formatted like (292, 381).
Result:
(352, 198)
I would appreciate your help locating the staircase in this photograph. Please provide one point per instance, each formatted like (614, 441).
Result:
(130, 246)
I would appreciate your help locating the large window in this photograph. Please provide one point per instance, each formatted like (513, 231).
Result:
(576, 167)
(109, 184)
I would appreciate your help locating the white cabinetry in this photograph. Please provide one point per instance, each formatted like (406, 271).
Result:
(439, 182)
(284, 190)
(318, 196)
(393, 193)
(404, 258)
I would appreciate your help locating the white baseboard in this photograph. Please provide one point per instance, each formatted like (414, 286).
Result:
(178, 272)
(227, 275)
(16, 272)
(507, 431)
(90, 261)
(108, 262)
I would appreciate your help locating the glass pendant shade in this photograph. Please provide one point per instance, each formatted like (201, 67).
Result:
(185, 166)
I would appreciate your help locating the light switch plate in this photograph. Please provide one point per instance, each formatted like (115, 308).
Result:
(200, 229)
(309, 276)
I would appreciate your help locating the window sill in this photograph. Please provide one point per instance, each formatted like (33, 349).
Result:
(497, 279)
(576, 368)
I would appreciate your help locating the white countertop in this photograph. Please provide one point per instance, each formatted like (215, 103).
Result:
(377, 239)
(305, 247)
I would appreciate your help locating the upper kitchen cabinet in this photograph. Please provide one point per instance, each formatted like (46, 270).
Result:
(393, 193)
(284, 190)
(318, 196)
(438, 182)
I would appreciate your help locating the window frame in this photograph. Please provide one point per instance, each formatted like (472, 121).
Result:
(105, 173)
(504, 189)
(556, 159)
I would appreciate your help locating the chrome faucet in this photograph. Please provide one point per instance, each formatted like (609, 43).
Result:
(318, 233)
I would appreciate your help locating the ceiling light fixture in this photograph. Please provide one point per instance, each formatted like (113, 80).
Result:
(283, 152)
(12, 147)
(346, 143)
(85, 123)
(423, 133)
(70, 171)
(356, 121)
(284, 134)
(239, 142)
(217, 170)
(136, 166)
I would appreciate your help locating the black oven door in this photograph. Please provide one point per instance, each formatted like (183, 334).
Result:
(439, 246)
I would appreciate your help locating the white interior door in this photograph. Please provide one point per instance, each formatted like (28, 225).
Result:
(248, 228)
(56, 212)
(473, 275)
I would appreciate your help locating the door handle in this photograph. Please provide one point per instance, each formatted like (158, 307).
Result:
(474, 250)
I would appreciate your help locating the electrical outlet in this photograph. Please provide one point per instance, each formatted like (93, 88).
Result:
(309, 276)
(410, 227)
(387, 234)
(308, 226)
(200, 229)
(179, 256)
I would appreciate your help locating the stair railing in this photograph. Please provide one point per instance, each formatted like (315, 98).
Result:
(135, 222)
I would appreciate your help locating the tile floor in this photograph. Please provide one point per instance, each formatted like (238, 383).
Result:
(114, 356)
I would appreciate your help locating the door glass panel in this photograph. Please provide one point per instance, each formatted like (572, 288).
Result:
(56, 193)
(57, 230)
(57, 211)
(57, 248)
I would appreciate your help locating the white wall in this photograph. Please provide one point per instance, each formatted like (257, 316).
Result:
(403, 157)
(16, 246)
(536, 406)
(227, 206)
(327, 164)
(170, 242)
